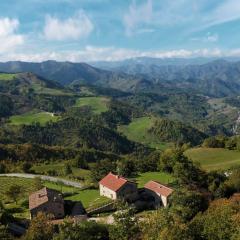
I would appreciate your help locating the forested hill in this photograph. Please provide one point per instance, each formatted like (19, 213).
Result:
(218, 78)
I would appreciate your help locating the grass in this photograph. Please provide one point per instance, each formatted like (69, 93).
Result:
(32, 117)
(214, 158)
(161, 177)
(137, 131)
(97, 104)
(7, 76)
(90, 198)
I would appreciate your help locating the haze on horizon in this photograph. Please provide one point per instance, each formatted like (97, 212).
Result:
(94, 30)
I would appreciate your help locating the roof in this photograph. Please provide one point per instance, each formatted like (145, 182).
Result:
(44, 195)
(113, 182)
(158, 188)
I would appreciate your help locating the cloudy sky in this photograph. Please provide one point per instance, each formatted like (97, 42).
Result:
(90, 30)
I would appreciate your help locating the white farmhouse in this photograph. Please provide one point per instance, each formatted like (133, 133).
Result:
(159, 192)
(117, 187)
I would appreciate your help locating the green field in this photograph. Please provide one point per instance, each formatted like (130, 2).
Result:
(7, 76)
(161, 177)
(97, 104)
(33, 117)
(137, 131)
(214, 158)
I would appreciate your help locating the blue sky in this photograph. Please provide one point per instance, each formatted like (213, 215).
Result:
(90, 30)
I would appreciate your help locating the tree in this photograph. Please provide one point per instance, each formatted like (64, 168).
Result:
(40, 228)
(82, 231)
(14, 192)
(26, 167)
(186, 204)
(37, 182)
(163, 225)
(125, 225)
(220, 222)
(2, 168)
(67, 169)
(126, 168)
(80, 162)
(102, 168)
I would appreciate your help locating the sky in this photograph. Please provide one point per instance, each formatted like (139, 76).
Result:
(112, 30)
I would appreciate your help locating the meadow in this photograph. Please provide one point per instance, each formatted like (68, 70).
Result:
(161, 177)
(137, 131)
(7, 76)
(214, 158)
(97, 104)
(33, 117)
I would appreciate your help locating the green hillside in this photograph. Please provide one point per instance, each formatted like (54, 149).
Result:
(214, 158)
(97, 104)
(33, 117)
(138, 131)
(7, 76)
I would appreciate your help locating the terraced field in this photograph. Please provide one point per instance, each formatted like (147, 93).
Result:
(214, 158)
(137, 131)
(33, 117)
(97, 104)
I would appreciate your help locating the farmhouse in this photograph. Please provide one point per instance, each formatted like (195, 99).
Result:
(48, 201)
(159, 192)
(116, 187)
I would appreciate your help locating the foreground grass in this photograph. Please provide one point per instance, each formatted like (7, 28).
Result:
(33, 117)
(97, 104)
(7, 76)
(214, 158)
(161, 177)
(137, 131)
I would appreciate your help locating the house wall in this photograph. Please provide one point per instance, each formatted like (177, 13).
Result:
(104, 191)
(54, 208)
(127, 192)
(158, 199)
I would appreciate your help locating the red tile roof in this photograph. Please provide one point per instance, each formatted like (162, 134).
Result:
(44, 195)
(113, 182)
(158, 188)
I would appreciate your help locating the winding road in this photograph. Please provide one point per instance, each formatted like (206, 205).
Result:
(44, 177)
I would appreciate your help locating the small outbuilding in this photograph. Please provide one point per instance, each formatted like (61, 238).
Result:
(116, 187)
(47, 201)
(159, 192)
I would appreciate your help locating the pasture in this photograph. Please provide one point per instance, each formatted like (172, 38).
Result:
(33, 117)
(7, 76)
(97, 104)
(214, 158)
(137, 131)
(161, 177)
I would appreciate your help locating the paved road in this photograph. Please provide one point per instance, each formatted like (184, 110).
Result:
(44, 177)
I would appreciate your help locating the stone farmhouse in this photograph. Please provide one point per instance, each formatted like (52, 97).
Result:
(116, 187)
(159, 192)
(48, 201)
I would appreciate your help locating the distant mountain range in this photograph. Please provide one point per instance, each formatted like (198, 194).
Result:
(216, 78)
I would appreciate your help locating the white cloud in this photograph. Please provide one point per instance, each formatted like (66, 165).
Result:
(137, 15)
(9, 39)
(228, 10)
(91, 53)
(209, 37)
(74, 28)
